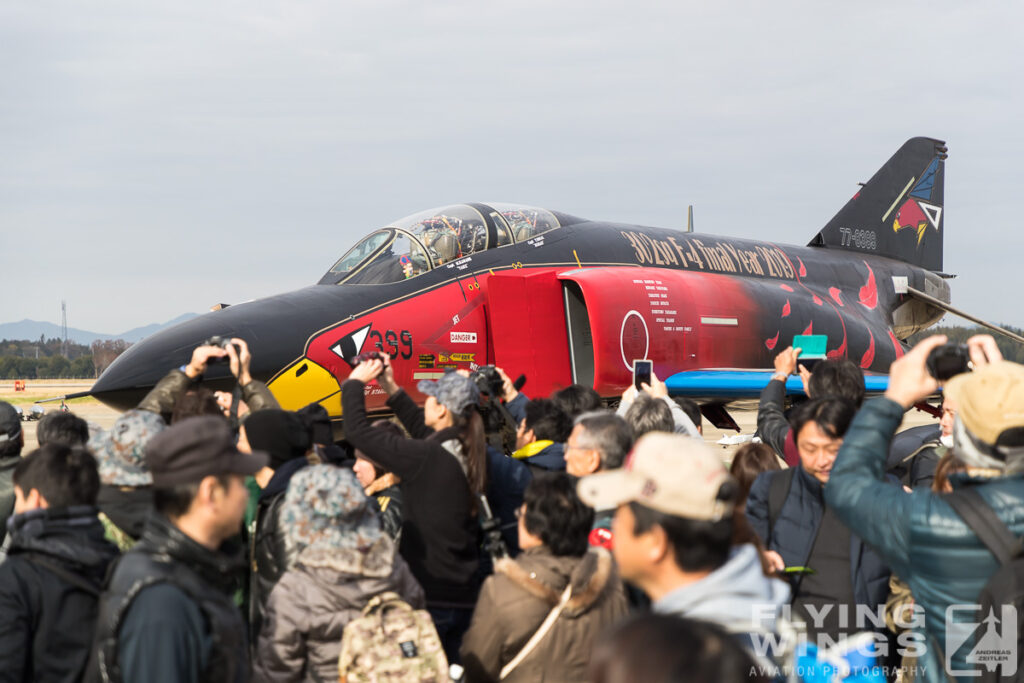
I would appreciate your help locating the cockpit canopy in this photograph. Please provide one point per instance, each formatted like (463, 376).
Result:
(421, 242)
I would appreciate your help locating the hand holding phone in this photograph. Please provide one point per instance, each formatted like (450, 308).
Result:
(642, 370)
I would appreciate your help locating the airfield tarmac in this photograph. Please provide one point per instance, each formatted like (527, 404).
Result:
(744, 412)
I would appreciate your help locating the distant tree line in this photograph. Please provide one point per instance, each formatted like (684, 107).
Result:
(1012, 350)
(43, 358)
(52, 359)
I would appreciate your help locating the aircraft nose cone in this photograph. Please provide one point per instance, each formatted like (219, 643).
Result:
(275, 329)
(137, 370)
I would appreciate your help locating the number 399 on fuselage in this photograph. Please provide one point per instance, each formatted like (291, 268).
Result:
(566, 300)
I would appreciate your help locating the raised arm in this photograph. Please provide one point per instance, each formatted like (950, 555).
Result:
(772, 425)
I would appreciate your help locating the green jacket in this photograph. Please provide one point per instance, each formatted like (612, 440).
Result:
(924, 541)
(162, 397)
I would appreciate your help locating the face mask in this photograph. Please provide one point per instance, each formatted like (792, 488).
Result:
(969, 452)
(946, 440)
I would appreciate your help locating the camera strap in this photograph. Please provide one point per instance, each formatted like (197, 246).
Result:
(236, 398)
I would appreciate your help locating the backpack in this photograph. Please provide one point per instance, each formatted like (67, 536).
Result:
(391, 642)
(1004, 587)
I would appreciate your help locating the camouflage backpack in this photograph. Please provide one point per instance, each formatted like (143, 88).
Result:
(391, 642)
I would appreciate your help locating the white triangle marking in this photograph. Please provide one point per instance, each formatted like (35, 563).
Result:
(359, 336)
(933, 212)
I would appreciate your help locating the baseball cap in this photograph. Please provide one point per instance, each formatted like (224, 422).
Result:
(10, 422)
(671, 473)
(119, 450)
(455, 391)
(990, 402)
(198, 447)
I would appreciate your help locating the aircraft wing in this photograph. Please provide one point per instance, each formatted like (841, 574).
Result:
(736, 384)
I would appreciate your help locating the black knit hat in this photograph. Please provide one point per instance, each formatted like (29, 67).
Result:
(280, 433)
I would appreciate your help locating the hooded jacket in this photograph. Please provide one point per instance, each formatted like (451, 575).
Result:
(927, 544)
(516, 600)
(314, 601)
(737, 595)
(49, 590)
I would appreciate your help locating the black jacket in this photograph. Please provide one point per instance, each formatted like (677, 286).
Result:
(49, 590)
(914, 454)
(772, 425)
(7, 465)
(440, 534)
(270, 552)
(127, 508)
(507, 479)
(793, 533)
(389, 500)
(189, 628)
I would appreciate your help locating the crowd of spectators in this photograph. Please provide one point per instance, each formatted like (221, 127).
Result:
(216, 537)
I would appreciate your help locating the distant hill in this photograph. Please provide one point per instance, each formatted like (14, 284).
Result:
(32, 329)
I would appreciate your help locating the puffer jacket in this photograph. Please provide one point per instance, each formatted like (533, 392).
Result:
(309, 609)
(925, 542)
(49, 593)
(516, 600)
(794, 532)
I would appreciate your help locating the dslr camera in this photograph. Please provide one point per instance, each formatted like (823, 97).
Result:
(489, 382)
(948, 360)
(222, 342)
(364, 356)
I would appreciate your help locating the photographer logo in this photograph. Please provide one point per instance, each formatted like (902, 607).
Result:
(988, 640)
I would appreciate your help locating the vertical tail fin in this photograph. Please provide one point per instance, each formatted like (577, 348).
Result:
(898, 213)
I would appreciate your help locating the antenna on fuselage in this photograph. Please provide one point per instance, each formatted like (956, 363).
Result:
(689, 218)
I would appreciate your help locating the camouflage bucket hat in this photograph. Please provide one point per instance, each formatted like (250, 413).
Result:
(334, 524)
(453, 390)
(119, 450)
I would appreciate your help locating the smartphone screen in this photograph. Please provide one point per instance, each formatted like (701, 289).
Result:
(813, 346)
(642, 373)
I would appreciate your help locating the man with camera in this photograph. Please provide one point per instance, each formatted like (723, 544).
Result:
(922, 534)
(176, 383)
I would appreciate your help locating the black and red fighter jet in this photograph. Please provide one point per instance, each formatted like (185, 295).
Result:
(562, 299)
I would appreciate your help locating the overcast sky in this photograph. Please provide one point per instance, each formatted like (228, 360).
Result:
(159, 157)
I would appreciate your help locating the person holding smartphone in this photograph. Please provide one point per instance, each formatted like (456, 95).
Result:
(443, 470)
(647, 382)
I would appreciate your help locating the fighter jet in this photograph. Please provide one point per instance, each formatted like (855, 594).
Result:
(562, 299)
